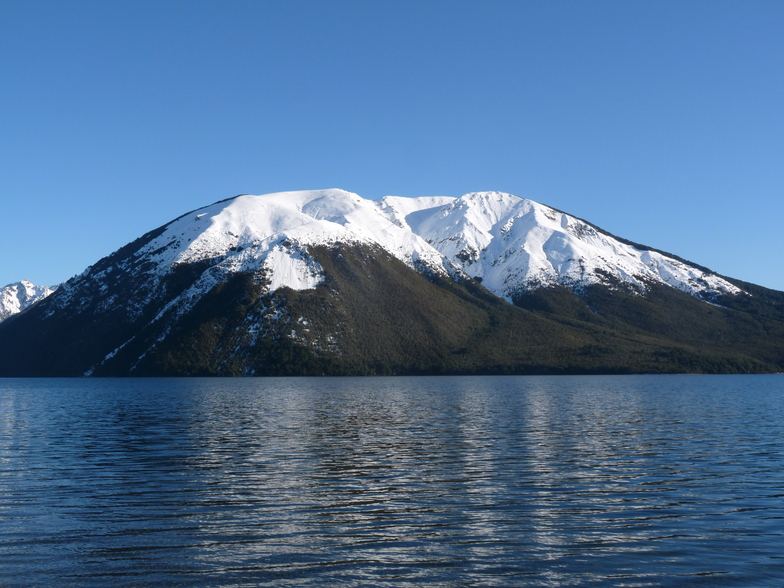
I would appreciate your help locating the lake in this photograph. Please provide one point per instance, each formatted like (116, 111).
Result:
(420, 481)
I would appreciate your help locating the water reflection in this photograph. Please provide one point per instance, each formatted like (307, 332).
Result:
(402, 481)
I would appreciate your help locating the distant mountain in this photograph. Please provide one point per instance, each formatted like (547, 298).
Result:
(326, 282)
(16, 297)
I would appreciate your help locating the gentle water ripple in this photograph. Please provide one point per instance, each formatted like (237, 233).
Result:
(486, 481)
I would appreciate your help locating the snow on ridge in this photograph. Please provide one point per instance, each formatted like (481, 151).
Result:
(270, 233)
(514, 244)
(16, 297)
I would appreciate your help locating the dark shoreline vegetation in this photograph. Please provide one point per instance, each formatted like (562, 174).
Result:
(373, 315)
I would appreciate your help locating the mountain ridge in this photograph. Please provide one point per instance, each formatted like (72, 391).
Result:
(293, 281)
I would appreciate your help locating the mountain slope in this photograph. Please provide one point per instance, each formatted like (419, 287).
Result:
(325, 282)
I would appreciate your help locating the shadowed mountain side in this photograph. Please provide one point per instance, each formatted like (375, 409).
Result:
(372, 314)
(698, 336)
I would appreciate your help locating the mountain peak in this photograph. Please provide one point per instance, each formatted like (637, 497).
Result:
(16, 297)
(516, 245)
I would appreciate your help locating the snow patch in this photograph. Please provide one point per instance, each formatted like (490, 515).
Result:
(289, 269)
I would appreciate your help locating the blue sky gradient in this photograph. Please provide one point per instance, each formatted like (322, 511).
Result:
(661, 122)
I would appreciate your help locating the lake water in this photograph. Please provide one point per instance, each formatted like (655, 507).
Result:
(464, 481)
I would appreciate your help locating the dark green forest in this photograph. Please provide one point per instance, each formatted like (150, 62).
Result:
(373, 315)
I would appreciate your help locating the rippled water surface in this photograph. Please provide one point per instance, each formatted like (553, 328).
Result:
(470, 481)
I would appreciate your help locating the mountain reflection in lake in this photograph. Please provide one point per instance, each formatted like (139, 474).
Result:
(464, 481)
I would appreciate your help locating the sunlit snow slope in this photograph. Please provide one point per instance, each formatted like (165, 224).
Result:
(512, 244)
(272, 232)
(515, 245)
(16, 297)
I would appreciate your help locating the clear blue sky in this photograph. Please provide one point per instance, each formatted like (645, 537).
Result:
(662, 122)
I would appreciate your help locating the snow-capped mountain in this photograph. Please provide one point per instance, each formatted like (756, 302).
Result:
(325, 281)
(512, 244)
(16, 297)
